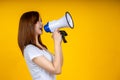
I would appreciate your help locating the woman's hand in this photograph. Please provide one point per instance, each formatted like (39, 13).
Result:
(57, 36)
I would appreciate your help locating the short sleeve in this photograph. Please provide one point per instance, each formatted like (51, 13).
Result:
(32, 51)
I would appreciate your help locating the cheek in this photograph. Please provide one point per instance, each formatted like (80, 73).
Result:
(37, 29)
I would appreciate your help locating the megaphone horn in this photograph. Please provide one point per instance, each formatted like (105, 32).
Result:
(69, 20)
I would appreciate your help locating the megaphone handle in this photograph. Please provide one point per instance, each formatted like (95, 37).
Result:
(63, 33)
(64, 40)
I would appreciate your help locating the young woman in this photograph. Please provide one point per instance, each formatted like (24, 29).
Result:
(41, 64)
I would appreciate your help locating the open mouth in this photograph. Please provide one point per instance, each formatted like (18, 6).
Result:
(41, 29)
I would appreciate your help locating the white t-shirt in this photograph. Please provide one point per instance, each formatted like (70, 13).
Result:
(30, 52)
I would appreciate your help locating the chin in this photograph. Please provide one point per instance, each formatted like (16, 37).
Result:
(40, 33)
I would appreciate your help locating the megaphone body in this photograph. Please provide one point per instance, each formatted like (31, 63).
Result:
(64, 22)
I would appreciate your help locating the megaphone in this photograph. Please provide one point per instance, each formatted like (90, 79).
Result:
(65, 22)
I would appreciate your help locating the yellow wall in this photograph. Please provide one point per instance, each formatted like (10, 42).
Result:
(93, 48)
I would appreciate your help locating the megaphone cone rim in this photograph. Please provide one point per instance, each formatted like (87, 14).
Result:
(71, 19)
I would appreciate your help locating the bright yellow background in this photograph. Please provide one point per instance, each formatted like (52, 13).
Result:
(93, 48)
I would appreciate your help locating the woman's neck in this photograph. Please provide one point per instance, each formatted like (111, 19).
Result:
(37, 42)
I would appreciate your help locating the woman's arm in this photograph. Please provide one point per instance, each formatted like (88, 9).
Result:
(55, 66)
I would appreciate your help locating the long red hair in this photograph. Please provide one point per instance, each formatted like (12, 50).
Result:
(26, 30)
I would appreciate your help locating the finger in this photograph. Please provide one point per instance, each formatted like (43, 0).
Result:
(57, 30)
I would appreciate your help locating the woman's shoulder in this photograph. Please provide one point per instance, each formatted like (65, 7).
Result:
(32, 51)
(29, 46)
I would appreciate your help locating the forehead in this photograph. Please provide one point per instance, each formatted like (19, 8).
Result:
(40, 19)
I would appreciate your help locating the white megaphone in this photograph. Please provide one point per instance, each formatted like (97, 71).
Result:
(64, 22)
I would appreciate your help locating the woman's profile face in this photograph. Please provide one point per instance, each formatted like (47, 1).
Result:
(38, 27)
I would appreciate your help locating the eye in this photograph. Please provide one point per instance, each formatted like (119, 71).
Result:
(40, 20)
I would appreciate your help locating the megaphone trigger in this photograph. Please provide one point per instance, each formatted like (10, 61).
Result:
(63, 33)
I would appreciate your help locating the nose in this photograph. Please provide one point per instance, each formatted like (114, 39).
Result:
(41, 24)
